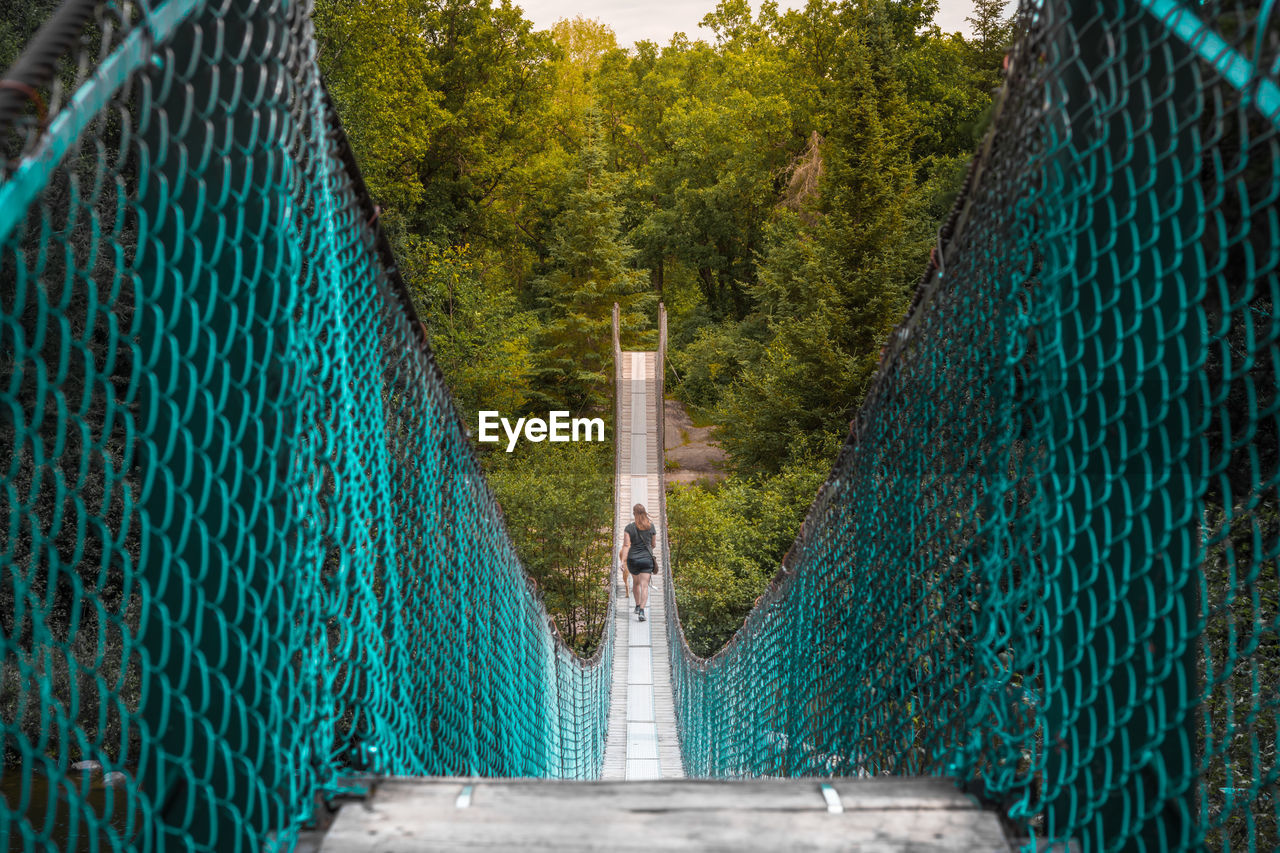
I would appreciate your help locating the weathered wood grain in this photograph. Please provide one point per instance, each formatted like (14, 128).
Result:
(880, 814)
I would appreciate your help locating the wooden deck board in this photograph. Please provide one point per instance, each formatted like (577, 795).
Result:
(879, 815)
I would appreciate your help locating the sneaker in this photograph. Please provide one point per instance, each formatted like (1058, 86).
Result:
(640, 613)
(637, 609)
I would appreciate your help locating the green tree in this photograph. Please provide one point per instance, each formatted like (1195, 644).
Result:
(728, 541)
(479, 333)
(795, 401)
(992, 31)
(590, 271)
(583, 44)
(443, 101)
(832, 279)
(557, 507)
(720, 128)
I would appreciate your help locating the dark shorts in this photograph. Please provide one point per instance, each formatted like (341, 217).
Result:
(639, 569)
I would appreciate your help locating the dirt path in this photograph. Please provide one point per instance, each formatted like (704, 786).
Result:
(692, 454)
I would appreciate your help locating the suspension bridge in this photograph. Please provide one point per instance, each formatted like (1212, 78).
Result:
(621, 812)
(251, 568)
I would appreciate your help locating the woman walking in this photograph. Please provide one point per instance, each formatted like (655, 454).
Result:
(637, 555)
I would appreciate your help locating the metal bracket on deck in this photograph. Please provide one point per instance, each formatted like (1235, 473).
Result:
(464, 797)
(832, 796)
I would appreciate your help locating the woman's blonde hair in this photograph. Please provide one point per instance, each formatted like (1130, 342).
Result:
(643, 522)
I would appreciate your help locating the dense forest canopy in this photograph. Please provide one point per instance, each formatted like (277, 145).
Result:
(778, 185)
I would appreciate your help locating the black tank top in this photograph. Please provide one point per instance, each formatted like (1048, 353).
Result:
(641, 553)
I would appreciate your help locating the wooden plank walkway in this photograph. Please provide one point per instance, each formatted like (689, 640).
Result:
(642, 741)
(868, 815)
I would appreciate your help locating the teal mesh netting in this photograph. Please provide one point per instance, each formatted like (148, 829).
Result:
(246, 546)
(1046, 560)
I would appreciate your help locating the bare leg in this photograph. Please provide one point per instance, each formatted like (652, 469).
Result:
(642, 589)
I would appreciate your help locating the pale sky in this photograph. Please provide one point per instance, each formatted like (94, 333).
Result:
(656, 20)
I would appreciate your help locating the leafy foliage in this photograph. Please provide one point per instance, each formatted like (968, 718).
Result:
(727, 542)
(551, 496)
(777, 185)
(590, 272)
